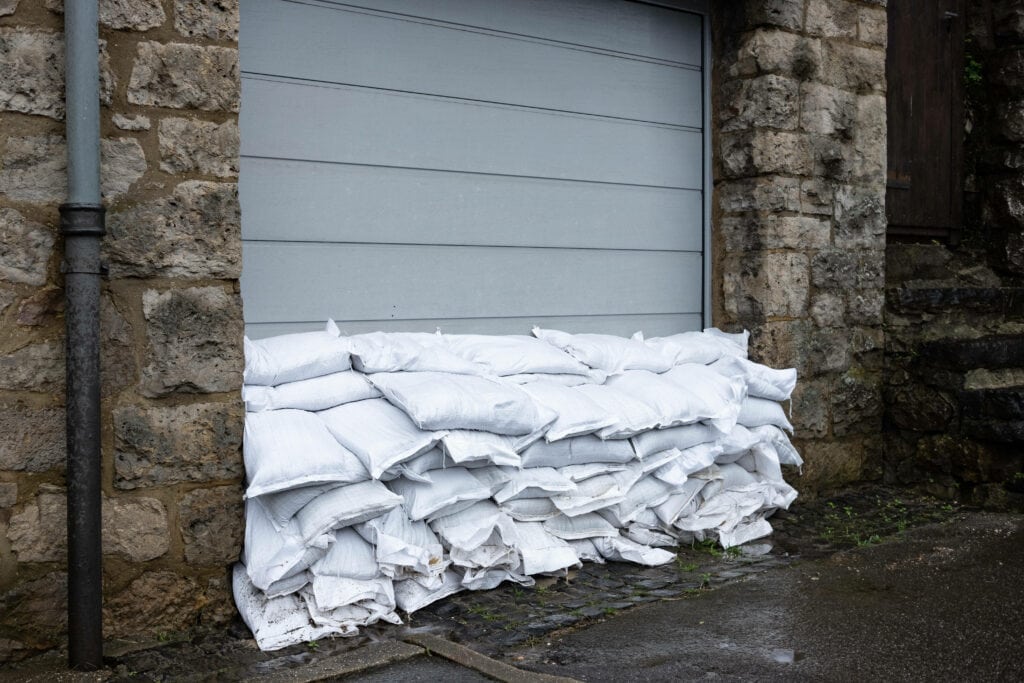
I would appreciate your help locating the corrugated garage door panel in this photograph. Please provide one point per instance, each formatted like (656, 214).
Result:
(481, 166)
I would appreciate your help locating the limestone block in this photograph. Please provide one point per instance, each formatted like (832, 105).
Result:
(919, 408)
(158, 446)
(156, 602)
(816, 195)
(133, 15)
(213, 19)
(860, 217)
(773, 51)
(848, 269)
(32, 72)
(771, 231)
(771, 193)
(118, 368)
(31, 439)
(1006, 68)
(765, 151)
(766, 284)
(212, 525)
(826, 110)
(8, 7)
(852, 67)
(784, 13)
(832, 19)
(832, 463)
(195, 233)
(34, 367)
(8, 494)
(856, 405)
(188, 145)
(828, 309)
(37, 610)
(25, 248)
(869, 157)
(135, 529)
(1009, 22)
(812, 350)
(873, 26)
(194, 341)
(769, 101)
(34, 168)
(133, 123)
(865, 307)
(183, 76)
(41, 308)
(810, 415)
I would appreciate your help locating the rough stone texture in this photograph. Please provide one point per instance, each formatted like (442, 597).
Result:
(25, 248)
(784, 13)
(767, 284)
(133, 123)
(213, 19)
(135, 529)
(34, 168)
(158, 446)
(195, 233)
(194, 341)
(133, 15)
(211, 523)
(31, 439)
(8, 494)
(832, 19)
(35, 367)
(32, 72)
(8, 7)
(771, 231)
(37, 611)
(759, 194)
(182, 76)
(188, 145)
(41, 308)
(118, 368)
(769, 101)
(155, 603)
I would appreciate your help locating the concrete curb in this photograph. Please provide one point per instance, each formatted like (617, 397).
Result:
(471, 659)
(361, 659)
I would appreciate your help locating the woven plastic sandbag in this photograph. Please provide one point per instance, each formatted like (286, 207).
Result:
(541, 552)
(606, 352)
(403, 547)
(757, 412)
(719, 396)
(407, 352)
(673, 404)
(580, 450)
(633, 416)
(688, 347)
(452, 489)
(294, 357)
(271, 556)
(658, 440)
(411, 595)
(577, 414)
(514, 355)
(344, 506)
(762, 381)
(317, 393)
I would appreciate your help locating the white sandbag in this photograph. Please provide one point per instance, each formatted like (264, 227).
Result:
(486, 579)
(679, 503)
(688, 347)
(411, 595)
(378, 433)
(285, 449)
(756, 412)
(784, 449)
(493, 553)
(533, 482)
(650, 536)
(718, 396)
(493, 477)
(647, 492)
(583, 526)
(673, 406)
(403, 547)
(745, 532)
(580, 450)
(696, 458)
(504, 355)
(577, 414)
(349, 556)
(366, 613)
(672, 473)
(658, 440)
(578, 473)
(452, 489)
(288, 585)
(632, 415)
(762, 381)
(278, 622)
(733, 343)
(607, 352)
(656, 462)
(408, 352)
(591, 494)
(471, 527)
(624, 550)
(283, 505)
(332, 592)
(344, 506)
(294, 357)
(316, 393)
(541, 552)
(463, 446)
(530, 509)
(564, 380)
(736, 443)
(586, 550)
(271, 556)
(436, 401)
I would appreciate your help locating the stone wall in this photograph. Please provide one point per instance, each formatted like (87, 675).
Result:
(799, 169)
(955, 313)
(170, 316)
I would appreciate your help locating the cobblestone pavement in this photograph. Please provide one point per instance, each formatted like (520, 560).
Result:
(494, 622)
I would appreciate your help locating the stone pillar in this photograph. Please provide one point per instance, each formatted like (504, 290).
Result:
(171, 317)
(799, 221)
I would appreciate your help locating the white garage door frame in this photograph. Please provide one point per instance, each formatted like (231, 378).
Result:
(700, 8)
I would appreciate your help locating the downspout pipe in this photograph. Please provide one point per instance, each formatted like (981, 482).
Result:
(82, 225)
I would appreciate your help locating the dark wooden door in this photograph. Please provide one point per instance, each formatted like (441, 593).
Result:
(924, 69)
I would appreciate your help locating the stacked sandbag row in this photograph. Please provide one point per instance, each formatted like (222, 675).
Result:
(387, 471)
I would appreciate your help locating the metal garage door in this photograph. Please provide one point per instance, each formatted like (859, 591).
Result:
(476, 165)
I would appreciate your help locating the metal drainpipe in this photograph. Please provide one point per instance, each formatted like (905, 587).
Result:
(81, 223)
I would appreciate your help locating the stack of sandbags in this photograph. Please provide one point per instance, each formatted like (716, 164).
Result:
(387, 471)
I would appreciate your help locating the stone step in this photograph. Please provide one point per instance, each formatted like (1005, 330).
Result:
(993, 352)
(952, 300)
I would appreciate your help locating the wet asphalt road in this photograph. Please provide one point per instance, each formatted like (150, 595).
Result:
(943, 603)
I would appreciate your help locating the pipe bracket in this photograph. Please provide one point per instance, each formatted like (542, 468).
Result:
(82, 220)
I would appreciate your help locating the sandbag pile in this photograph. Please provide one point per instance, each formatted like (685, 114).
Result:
(389, 470)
